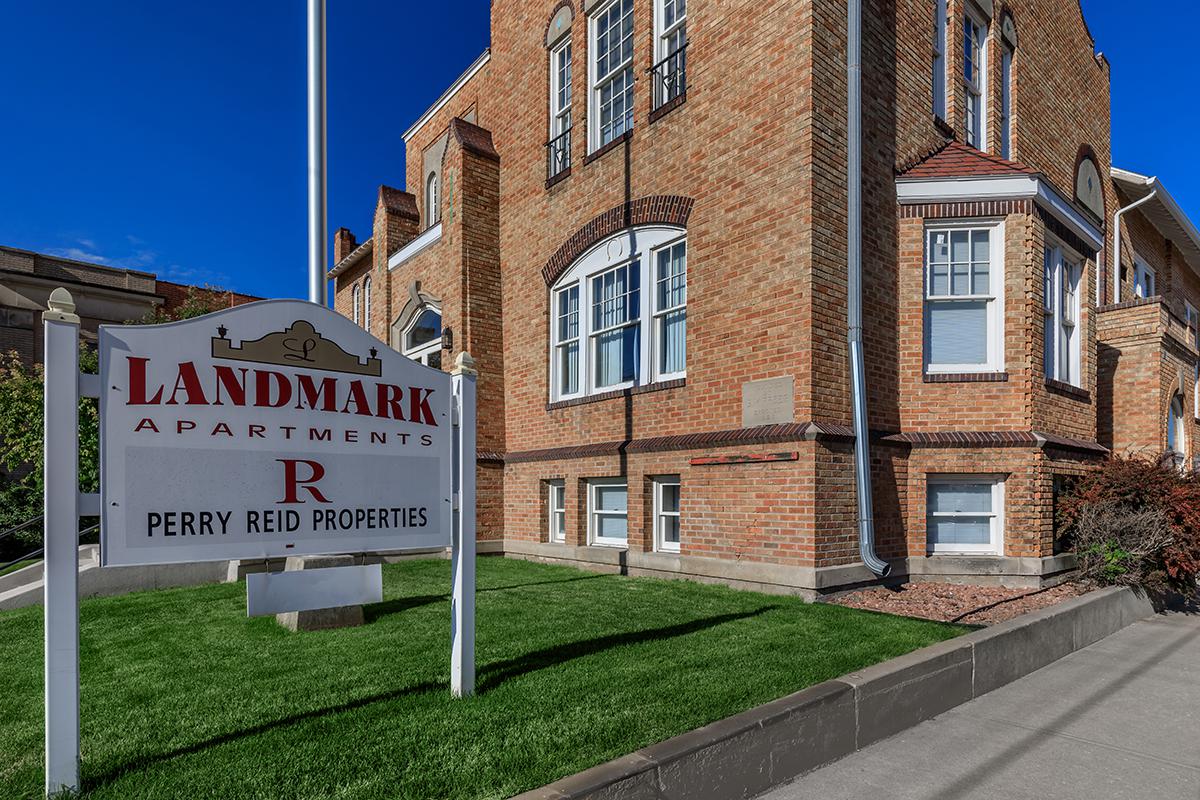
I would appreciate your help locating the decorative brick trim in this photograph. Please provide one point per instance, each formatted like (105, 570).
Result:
(716, 461)
(1065, 234)
(1059, 387)
(965, 377)
(489, 457)
(766, 434)
(612, 145)
(667, 107)
(399, 203)
(944, 128)
(964, 439)
(649, 210)
(596, 398)
(559, 178)
(474, 139)
(975, 208)
(1137, 301)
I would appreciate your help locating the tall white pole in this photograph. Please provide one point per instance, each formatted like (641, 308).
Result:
(61, 542)
(462, 553)
(316, 153)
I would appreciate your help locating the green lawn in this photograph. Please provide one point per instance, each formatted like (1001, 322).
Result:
(183, 697)
(18, 565)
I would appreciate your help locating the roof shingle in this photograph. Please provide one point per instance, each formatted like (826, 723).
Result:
(957, 160)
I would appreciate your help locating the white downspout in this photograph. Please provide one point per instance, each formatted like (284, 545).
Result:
(858, 390)
(1116, 246)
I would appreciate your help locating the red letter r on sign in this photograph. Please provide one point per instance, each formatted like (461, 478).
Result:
(292, 481)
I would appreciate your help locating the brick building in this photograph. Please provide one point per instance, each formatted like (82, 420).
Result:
(633, 214)
(102, 294)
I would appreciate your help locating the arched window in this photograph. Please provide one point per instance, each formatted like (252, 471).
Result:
(421, 339)
(367, 303)
(939, 58)
(355, 296)
(1175, 436)
(433, 211)
(609, 334)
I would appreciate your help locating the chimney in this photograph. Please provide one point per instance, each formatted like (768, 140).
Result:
(343, 244)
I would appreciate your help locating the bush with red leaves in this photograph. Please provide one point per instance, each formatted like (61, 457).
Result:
(1136, 521)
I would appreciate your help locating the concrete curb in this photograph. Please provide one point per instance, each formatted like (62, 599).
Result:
(748, 753)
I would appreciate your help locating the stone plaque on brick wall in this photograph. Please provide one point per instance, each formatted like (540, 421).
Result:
(768, 402)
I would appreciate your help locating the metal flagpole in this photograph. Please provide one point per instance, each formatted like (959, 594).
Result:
(317, 282)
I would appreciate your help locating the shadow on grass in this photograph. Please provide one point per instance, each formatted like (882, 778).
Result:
(490, 677)
(399, 605)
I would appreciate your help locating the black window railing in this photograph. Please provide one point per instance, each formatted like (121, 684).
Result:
(670, 77)
(558, 154)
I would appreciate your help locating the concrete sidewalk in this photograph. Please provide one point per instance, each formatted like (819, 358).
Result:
(1118, 719)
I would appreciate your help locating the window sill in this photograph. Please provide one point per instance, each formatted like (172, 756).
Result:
(1069, 390)
(667, 107)
(965, 377)
(559, 178)
(613, 145)
(597, 398)
(614, 545)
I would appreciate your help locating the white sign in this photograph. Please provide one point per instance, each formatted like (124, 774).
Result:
(271, 429)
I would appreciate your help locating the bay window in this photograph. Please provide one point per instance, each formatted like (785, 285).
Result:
(618, 315)
(964, 299)
(1061, 272)
(610, 72)
(965, 514)
(975, 77)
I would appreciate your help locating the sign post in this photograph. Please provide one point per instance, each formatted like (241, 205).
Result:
(61, 543)
(462, 588)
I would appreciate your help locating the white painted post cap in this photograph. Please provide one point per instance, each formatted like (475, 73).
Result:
(464, 365)
(61, 307)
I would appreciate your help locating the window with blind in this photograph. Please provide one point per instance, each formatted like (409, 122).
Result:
(618, 316)
(965, 514)
(608, 512)
(964, 299)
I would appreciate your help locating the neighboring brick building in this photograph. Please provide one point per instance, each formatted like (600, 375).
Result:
(102, 295)
(632, 213)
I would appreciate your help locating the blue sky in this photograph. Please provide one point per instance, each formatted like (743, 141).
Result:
(170, 137)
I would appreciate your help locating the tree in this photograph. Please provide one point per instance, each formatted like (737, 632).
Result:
(21, 424)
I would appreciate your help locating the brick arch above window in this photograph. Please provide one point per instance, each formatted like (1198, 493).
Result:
(560, 21)
(650, 210)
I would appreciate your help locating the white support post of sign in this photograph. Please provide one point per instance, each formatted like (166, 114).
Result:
(61, 442)
(462, 588)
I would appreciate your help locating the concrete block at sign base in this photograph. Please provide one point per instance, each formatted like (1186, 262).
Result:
(321, 618)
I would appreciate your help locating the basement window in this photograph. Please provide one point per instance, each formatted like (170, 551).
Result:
(666, 514)
(608, 512)
(556, 508)
(965, 514)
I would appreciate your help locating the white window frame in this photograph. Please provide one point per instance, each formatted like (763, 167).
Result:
(560, 107)
(356, 297)
(1145, 280)
(658, 322)
(595, 538)
(1006, 61)
(663, 34)
(433, 211)
(420, 353)
(940, 46)
(1061, 311)
(556, 493)
(995, 300)
(978, 90)
(1176, 423)
(660, 515)
(597, 82)
(367, 303)
(1191, 319)
(638, 246)
(995, 545)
